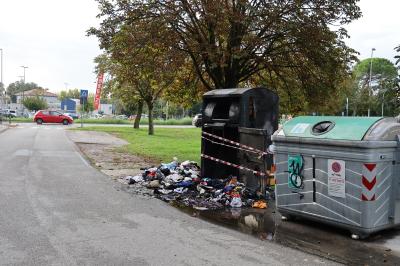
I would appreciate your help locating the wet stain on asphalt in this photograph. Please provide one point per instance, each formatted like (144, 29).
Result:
(311, 237)
(308, 236)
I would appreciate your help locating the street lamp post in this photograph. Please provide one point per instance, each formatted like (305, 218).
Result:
(23, 91)
(369, 82)
(24, 67)
(383, 101)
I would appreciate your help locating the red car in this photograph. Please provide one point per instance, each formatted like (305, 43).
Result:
(49, 116)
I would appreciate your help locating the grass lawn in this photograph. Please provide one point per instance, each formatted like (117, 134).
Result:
(143, 121)
(183, 143)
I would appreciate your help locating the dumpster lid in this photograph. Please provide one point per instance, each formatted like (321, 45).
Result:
(240, 92)
(329, 127)
(227, 92)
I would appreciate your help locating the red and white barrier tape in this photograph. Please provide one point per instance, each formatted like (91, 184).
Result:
(233, 165)
(262, 153)
(233, 147)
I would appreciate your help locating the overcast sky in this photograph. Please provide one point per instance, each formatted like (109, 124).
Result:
(48, 36)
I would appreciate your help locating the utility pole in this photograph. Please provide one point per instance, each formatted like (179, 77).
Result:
(383, 101)
(23, 90)
(24, 67)
(369, 82)
(167, 111)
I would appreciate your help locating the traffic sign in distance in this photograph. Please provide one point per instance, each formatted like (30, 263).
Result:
(84, 93)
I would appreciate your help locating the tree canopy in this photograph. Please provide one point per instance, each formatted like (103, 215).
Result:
(229, 41)
(374, 82)
(71, 93)
(397, 94)
(19, 86)
(141, 63)
(2, 89)
(34, 103)
(295, 47)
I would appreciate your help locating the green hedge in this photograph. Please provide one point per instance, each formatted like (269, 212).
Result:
(184, 121)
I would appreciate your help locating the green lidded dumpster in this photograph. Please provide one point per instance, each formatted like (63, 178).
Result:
(342, 171)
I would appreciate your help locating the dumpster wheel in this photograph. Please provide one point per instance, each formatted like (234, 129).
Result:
(287, 217)
(359, 235)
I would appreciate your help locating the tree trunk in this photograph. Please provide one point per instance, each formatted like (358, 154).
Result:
(151, 125)
(138, 115)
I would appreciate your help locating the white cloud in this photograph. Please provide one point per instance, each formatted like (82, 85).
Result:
(378, 28)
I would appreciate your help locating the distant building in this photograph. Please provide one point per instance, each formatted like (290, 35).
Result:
(106, 108)
(49, 97)
(70, 105)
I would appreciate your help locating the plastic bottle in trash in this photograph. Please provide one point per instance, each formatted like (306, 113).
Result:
(236, 201)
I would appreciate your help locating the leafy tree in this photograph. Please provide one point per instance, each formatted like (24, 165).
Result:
(230, 41)
(324, 94)
(89, 105)
(187, 88)
(19, 86)
(397, 88)
(2, 93)
(125, 95)
(71, 94)
(34, 103)
(293, 47)
(142, 63)
(2, 89)
(371, 90)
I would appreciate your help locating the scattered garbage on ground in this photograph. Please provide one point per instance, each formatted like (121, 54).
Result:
(181, 183)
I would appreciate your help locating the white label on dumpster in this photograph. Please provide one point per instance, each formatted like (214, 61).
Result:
(336, 178)
(299, 128)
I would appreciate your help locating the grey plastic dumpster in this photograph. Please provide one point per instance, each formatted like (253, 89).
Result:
(342, 171)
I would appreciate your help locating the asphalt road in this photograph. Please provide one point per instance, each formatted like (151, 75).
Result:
(58, 210)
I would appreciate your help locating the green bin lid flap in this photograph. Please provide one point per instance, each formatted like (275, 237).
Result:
(329, 127)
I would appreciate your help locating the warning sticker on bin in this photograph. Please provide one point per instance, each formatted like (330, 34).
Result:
(299, 128)
(336, 178)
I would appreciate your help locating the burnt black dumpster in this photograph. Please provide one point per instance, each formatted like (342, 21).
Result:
(245, 115)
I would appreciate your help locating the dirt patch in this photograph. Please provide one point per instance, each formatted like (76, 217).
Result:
(105, 153)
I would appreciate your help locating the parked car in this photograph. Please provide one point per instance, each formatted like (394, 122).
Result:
(8, 113)
(12, 113)
(73, 115)
(197, 120)
(50, 116)
(31, 114)
(123, 117)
